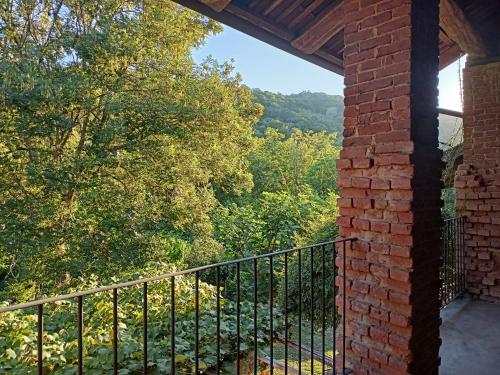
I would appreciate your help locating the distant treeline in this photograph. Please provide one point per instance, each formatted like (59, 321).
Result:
(305, 111)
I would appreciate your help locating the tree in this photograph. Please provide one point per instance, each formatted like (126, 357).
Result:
(289, 164)
(112, 139)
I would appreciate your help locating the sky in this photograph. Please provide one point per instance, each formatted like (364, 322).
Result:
(268, 68)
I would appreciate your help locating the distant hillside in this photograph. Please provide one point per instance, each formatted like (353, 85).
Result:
(319, 111)
(305, 111)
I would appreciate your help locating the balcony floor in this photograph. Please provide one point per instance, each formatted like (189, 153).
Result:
(471, 338)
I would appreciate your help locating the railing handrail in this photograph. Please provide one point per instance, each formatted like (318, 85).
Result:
(106, 288)
(454, 218)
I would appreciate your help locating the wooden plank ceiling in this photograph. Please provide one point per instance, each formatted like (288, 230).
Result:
(310, 29)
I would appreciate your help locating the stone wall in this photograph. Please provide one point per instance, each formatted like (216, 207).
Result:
(477, 181)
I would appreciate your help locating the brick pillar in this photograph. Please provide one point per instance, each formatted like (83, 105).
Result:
(389, 175)
(477, 181)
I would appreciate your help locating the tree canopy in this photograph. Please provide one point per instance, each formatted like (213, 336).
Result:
(117, 150)
(112, 139)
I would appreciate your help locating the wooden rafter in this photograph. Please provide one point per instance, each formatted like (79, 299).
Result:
(329, 23)
(460, 30)
(217, 5)
(289, 9)
(259, 21)
(449, 55)
(272, 7)
(306, 13)
(330, 57)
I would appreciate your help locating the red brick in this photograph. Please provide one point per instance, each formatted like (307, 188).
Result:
(399, 297)
(378, 334)
(359, 349)
(363, 163)
(399, 341)
(380, 184)
(362, 203)
(380, 226)
(360, 182)
(401, 183)
(380, 271)
(361, 224)
(378, 355)
(399, 319)
(379, 314)
(379, 292)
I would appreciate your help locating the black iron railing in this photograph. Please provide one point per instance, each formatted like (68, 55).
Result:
(453, 260)
(296, 288)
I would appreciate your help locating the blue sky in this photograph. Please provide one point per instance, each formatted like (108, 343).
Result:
(268, 68)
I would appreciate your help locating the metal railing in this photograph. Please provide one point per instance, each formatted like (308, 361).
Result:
(303, 307)
(453, 260)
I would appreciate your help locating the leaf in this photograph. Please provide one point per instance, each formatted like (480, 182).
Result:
(11, 354)
(180, 358)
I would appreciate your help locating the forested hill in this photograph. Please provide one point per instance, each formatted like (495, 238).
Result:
(306, 111)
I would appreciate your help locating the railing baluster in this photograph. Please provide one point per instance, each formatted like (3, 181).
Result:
(238, 368)
(271, 315)
(344, 258)
(255, 295)
(286, 313)
(172, 327)
(446, 291)
(311, 255)
(462, 241)
(453, 257)
(450, 259)
(334, 286)
(115, 331)
(217, 281)
(300, 310)
(456, 256)
(145, 328)
(452, 269)
(323, 322)
(40, 340)
(197, 324)
(80, 334)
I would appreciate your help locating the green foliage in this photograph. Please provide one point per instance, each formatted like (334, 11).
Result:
(117, 152)
(290, 164)
(112, 140)
(449, 210)
(305, 111)
(18, 342)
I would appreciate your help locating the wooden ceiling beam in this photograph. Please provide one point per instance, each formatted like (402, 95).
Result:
(217, 5)
(449, 55)
(328, 24)
(454, 22)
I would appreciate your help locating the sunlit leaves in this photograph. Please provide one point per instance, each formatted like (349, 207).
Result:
(112, 139)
